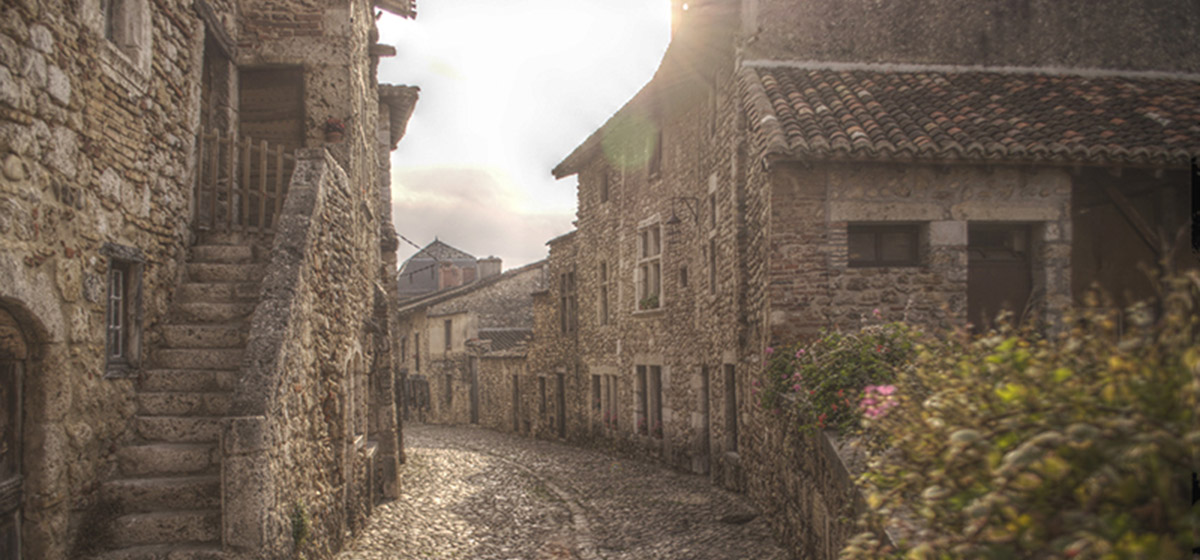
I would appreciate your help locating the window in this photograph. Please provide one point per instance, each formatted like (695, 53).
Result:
(882, 245)
(449, 392)
(610, 401)
(654, 165)
(123, 313)
(649, 271)
(712, 266)
(731, 410)
(596, 396)
(126, 25)
(603, 293)
(567, 309)
(417, 350)
(448, 326)
(683, 277)
(603, 186)
(403, 349)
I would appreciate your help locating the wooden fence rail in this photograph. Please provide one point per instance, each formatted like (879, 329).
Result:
(240, 184)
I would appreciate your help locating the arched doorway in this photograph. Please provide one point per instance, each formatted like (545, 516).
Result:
(13, 354)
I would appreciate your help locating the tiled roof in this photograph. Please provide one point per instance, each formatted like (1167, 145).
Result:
(440, 251)
(505, 339)
(402, 8)
(972, 115)
(402, 100)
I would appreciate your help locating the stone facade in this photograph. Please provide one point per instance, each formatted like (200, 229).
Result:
(460, 348)
(101, 108)
(749, 197)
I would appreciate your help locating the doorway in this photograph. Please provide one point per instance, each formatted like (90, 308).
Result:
(999, 273)
(474, 373)
(12, 361)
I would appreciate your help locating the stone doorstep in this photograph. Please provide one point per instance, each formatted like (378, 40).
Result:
(204, 336)
(168, 527)
(167, 552)
(165, 493)
(180, 429)
(183, 313)
(197, 358)
(223, 272)
(222, 254)
(167, 458)
(217, 292)
(174, 403)
(202, 380)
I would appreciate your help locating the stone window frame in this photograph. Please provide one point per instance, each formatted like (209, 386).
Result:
(713, 220)
(448, 334)
(648, 273)
(123, 326)
(877, 230)
(124, 29)
(417, 351)
(654, 161)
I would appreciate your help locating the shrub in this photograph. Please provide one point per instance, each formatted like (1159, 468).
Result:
(1015, 445)
(827, 378)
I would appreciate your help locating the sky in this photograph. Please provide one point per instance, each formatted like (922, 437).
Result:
(508, 89)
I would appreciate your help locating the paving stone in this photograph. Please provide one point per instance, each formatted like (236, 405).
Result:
(471, 493)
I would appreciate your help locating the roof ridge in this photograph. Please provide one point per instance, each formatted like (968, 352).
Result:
(962, 68)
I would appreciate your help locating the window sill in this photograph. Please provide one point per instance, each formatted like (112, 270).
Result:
(120, 371)
(649, 312)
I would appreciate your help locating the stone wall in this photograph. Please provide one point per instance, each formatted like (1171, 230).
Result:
(299, 437)
(1117, 34)
(96, 148)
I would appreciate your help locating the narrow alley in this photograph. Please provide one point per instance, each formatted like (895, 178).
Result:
(471, 493)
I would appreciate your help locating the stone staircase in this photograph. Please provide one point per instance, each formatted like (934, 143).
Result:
(168, 485)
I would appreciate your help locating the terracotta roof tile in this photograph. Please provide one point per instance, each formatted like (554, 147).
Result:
(972, 115)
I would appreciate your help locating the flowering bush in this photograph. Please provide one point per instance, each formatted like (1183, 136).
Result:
(827, 378)
(1015, 445)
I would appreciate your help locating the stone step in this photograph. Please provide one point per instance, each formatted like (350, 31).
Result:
(167, 527)
(183, 313)
(165, 493)
(184, 404)
(222, 253)
(167, 459)
(200, 380)
(223, 272)
(204, 336)
(217, 292)
(166, 552)
(197, 358)
(179, 429)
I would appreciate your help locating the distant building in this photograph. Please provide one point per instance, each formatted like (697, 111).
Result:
(439, 266)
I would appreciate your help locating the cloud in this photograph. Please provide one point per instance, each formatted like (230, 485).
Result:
(472, 209)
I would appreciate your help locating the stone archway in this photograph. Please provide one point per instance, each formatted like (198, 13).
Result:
(14, 353)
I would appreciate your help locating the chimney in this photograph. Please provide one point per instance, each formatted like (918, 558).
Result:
(489, 266)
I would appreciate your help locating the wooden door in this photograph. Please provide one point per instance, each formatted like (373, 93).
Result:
(270, 109)
(999, 273)
(10, 459)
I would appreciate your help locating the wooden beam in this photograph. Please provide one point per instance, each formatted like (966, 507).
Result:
(1135, 219)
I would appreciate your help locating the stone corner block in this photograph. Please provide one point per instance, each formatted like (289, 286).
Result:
(245, 435)
(948, 233)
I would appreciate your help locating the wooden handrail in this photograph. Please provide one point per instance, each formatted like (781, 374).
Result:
(240, 182)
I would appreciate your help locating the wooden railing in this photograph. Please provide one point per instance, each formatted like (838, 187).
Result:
(240, 184)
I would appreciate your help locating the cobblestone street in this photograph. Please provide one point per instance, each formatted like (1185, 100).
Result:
(470, 493)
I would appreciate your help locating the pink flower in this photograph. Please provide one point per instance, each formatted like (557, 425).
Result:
(769, 350)
(755, 383)
(869, 388)
(799, 352)
(796, 387)
(886, 389)
(876, 312)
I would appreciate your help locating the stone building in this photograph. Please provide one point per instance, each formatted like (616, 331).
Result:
(462, 350)
(438, 266)
(793, 166)
(196, 260)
